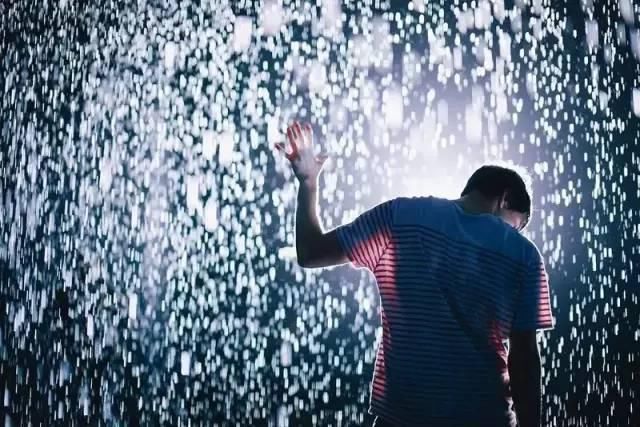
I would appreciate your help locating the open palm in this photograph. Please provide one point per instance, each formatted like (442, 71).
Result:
(305, 163)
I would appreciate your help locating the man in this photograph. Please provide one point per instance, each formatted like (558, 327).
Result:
(456, 280)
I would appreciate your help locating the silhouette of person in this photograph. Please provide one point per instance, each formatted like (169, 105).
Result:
(457, 281)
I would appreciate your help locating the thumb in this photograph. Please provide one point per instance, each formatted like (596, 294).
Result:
(321, 158)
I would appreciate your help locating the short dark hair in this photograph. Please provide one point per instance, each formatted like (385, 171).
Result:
(493, 180)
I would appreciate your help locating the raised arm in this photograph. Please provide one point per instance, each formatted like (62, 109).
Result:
(314, 248)
(362, 241)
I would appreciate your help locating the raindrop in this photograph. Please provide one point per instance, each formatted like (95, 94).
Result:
(210, 215)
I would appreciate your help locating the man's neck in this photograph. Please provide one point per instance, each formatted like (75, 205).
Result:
(476, 204)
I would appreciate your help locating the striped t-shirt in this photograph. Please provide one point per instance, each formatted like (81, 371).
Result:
(453, 285)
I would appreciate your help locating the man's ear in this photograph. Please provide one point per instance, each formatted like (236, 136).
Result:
(503, 201)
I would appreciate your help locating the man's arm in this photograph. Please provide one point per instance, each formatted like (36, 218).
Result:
(532, 313)
(313, 247)
(524, 371)
(363, 241)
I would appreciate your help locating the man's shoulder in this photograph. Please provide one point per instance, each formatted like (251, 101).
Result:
(533, 252)
(413, 207)
(414, 201)
(530, 251)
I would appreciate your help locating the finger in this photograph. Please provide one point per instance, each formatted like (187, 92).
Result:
(292, 140)
(290, 134)
(299, 135)
(280, 146)
(304, 130)
(309, 133)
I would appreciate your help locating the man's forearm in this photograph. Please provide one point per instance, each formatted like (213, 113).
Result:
(308, 228)
(526, 389)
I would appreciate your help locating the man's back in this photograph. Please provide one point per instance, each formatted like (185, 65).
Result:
(453, 286)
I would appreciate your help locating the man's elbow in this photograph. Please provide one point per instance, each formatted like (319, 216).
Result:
(303, 259)
(308, 264)
(310, 261)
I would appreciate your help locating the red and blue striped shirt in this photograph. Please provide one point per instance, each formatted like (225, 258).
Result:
(452, 285)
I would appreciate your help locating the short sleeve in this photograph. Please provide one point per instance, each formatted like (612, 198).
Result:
(533, 306)
(365, 239)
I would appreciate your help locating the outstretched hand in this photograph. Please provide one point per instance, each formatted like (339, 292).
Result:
(305, 163)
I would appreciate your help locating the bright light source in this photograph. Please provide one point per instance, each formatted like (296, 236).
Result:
(473, 124)
(392, 107)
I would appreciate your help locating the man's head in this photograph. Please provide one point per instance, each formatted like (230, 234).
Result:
(504, 190)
